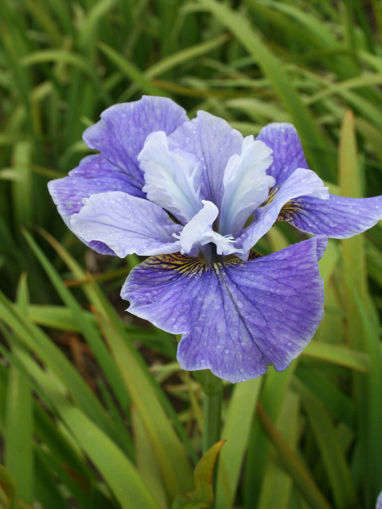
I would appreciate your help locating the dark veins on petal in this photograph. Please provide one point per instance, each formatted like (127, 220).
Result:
(289, 210)
(190, 267)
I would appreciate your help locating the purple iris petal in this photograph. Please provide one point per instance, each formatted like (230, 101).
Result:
(337, 217)
(379, 501)
(322, 244)
(119, 136)
(301, 182)
(237, 317)
(288, 154)
(94, 175)
(213, 141)
(126, 224)
(123, 129)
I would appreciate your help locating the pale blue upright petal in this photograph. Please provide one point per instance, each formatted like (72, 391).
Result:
(246, 185)
(126, 224)
(198, 232)
(170, 177)
(300, 183)
(213, 141)
(379, 501)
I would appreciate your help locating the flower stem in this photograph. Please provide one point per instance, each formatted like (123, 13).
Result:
(212, 416)
(212, 403)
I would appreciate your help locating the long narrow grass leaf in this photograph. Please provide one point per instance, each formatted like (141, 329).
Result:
(314, 141)
(236, 431)
(292, 464)
(338, 472)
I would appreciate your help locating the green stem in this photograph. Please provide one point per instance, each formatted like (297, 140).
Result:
(212, 409)
(212, 404)
(212, 415)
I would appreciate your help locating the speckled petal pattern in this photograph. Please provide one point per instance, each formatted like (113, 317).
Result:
(236, 318)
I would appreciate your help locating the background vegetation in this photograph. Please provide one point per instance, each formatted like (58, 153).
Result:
(94, 411)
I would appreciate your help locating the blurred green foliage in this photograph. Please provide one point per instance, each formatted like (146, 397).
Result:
(314, 440)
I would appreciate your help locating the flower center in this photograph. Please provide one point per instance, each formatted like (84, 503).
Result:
(199, 232)
(173, 180)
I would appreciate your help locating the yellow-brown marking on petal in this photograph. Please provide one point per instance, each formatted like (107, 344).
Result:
(188, 265)
(271, 195)
(288, 211)
(182, 264)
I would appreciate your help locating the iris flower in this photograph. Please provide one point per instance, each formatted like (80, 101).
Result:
(195, 196)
